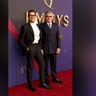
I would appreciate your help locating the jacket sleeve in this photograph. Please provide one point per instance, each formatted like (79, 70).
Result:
(22, 37)
(40, 41)
(58, 38)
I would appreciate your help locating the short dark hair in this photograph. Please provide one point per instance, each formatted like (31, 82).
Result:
(31, 11)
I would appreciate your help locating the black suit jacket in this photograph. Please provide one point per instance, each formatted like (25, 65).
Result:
(26, 36)
(50, 38)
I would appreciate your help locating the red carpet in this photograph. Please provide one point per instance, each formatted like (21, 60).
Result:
(59, 89)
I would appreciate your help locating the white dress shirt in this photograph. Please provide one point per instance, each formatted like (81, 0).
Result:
(36, 32)
(50, 25)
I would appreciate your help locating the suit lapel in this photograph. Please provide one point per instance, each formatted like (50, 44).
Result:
(52, 26)
(47, 28)
(30, 28)
(39, 29)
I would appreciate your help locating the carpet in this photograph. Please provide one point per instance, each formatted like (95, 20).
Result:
(58, 90)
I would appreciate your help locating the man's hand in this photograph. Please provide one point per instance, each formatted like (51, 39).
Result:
(58, 50)
(42, 51)
(27, 49)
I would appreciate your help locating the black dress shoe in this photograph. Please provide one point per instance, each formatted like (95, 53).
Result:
(47, 82)
(45, 86)
(32, 88)
(57, 81)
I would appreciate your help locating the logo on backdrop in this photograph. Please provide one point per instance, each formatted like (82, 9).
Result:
(50, 4)
(60, 19)
(22, 69)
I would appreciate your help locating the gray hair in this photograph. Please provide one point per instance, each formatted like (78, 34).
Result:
(49, 12)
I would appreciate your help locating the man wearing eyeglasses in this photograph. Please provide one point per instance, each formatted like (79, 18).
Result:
(30, 41)
(50, 45)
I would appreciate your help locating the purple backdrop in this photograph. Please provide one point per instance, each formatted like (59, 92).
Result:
(17, 59)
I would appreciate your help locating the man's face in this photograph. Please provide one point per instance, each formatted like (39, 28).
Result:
(49, 17)
(32, 17)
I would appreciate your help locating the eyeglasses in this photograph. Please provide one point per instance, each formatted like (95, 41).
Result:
(49, 16)
(32, 15)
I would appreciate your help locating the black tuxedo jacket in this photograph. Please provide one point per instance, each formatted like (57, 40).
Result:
(26, 36)
(50, 38)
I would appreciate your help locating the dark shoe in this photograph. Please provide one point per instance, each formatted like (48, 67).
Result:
(45, 86)
(47, 82)
(32, 89)
(57, 81)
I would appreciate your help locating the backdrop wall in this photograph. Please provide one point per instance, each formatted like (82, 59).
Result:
(17, 59)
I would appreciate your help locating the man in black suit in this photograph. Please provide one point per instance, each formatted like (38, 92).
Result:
(50, 45)
(30, 41)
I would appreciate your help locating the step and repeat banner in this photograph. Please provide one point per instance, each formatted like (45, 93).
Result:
(18, 16)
